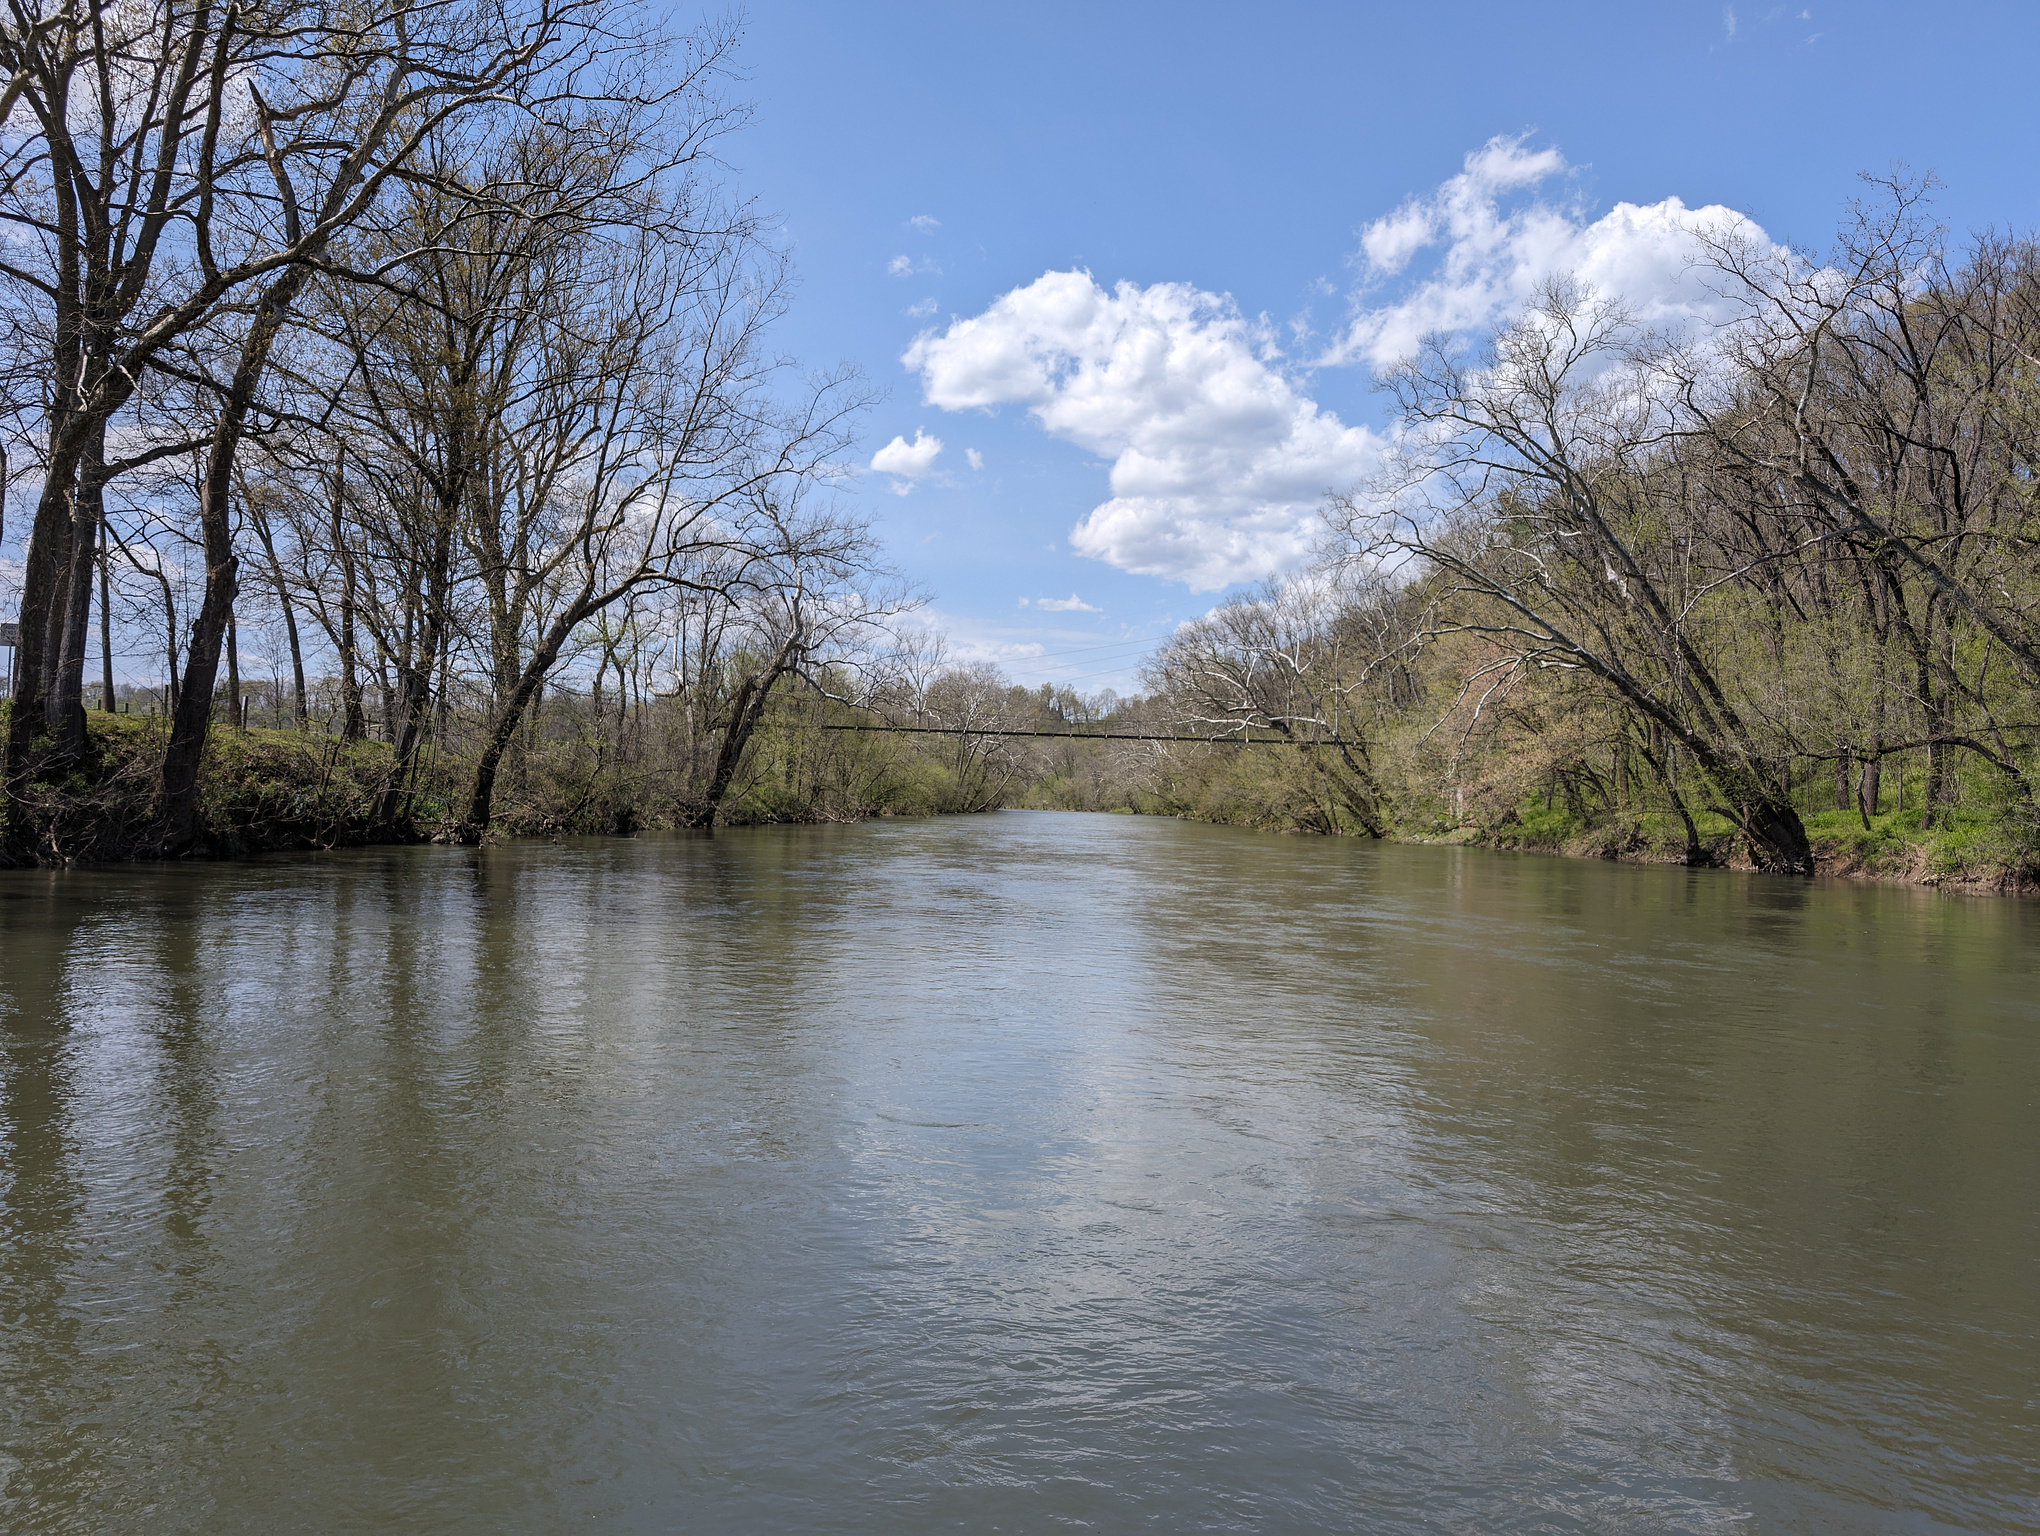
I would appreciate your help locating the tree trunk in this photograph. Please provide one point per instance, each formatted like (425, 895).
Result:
(1777, 838)
(482, 795)
(193, 721)
(290, 629)
(353, 720)
(170, 690)
(234, 718)
(1934, 705)
(1776, 835)
(105, 619)
(415, 671)
(47, 557)
(64, 706)
(745, 711)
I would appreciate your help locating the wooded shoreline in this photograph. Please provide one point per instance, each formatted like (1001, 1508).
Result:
(279, 790)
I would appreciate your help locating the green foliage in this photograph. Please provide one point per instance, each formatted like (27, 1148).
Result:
(265, 789)
(259, 790)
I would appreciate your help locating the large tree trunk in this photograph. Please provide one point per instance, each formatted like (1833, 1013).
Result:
(64, 706)
(47, 558)
(178, 827)
(1770, 825)
(191, 721)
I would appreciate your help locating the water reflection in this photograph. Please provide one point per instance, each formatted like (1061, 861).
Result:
(1016, 1172)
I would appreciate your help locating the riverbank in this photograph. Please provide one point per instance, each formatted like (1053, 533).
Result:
(265, 790)
(1966, 852)
(260, 791)
(1969, 853)
(1984, 842)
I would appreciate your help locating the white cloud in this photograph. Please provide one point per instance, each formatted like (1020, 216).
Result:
(907, 462)
(1219, 458)
(1494, 257)
(1070, 604)
(1464, 206)
(924, 223)
(922, 310)
(1218, 462)
(906, 266)
(973, 458)
(1390, 242)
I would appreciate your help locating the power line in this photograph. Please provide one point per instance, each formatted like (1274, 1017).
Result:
(1206, 741)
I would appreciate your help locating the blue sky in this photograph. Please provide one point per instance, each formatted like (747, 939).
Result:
(933, 164)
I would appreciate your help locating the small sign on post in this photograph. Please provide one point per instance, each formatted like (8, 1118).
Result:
(10, 634)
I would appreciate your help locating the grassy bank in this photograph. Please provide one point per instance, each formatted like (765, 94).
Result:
(575, 772)
(1965, 848)
(1987, 841)
(259, 790)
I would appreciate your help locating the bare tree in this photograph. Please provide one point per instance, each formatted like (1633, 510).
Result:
(1302, 660)
(180, 171)
(1883, 399)
(1544, 485)
(817, 602)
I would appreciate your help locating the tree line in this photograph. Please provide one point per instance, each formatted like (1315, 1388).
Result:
(429, 339)
(1708, 586)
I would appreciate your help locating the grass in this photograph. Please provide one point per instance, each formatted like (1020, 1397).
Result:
(1967, 843)
(1976, 843)
(258, 790)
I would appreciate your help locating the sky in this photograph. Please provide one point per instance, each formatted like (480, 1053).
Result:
(1126, 273)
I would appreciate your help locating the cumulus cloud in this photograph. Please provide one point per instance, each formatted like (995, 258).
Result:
(907, 462)
(1491, 257)
(1218, 462)
(924, 223)
(922, 310)
(906, 266)
(1070, 604)
(973, 458)
(1218, 456)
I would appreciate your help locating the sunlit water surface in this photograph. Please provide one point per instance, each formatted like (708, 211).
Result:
(1016, 1173)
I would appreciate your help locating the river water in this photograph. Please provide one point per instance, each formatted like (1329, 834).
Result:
(1018, 1173)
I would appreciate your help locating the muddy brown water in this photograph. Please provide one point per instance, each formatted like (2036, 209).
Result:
(1023, 1173)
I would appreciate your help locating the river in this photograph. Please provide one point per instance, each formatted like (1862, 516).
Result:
(1015, 1173)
